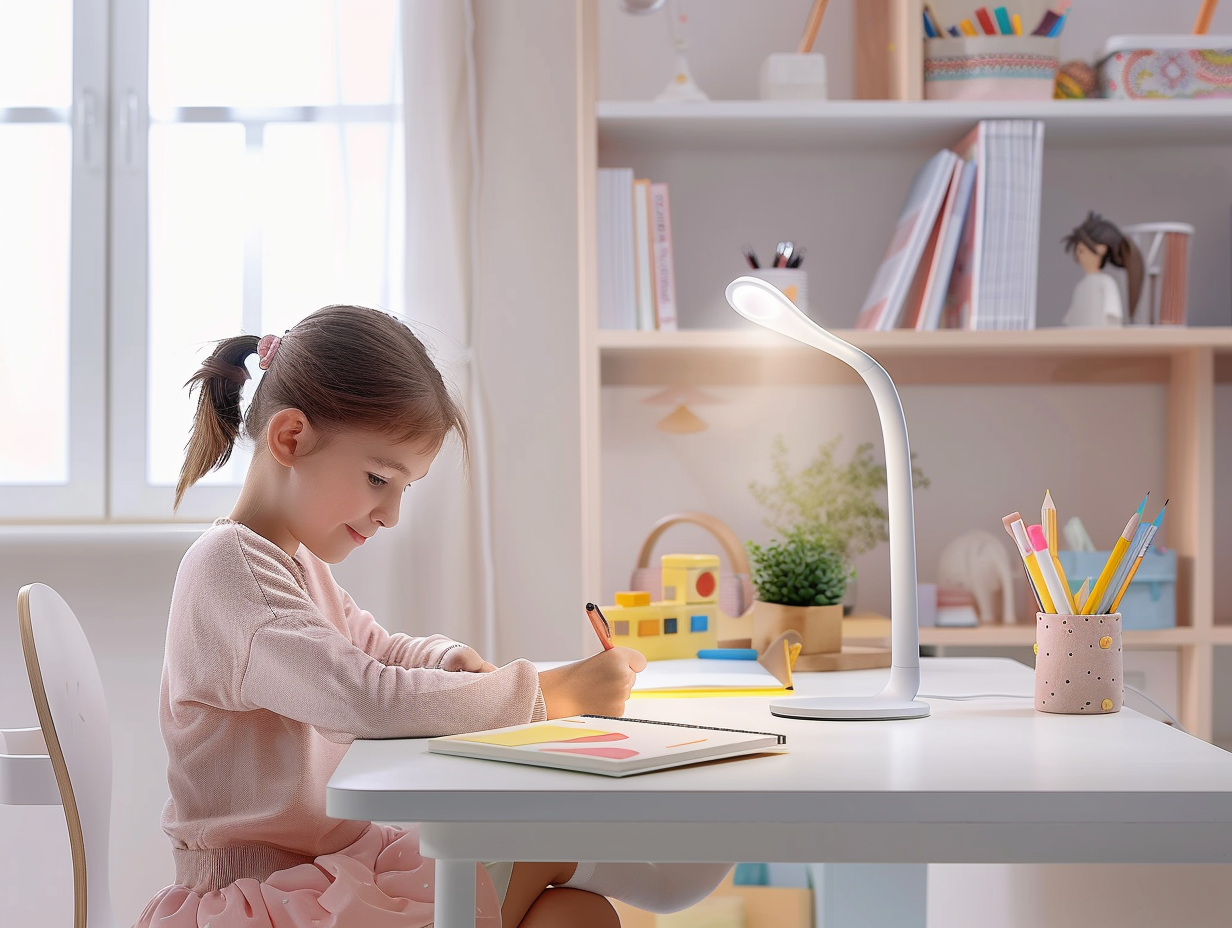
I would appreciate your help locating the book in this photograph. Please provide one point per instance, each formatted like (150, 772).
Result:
(664, 272)
(995, 278)
(615, 268)
(889, 289)
(643, 255)
(954, 215)
(609, 746)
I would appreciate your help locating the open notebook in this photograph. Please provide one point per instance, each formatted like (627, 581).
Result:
(612, 747)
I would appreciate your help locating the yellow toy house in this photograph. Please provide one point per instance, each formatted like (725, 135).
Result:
(679, 625)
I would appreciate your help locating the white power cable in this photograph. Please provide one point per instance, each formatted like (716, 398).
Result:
(1132, 689)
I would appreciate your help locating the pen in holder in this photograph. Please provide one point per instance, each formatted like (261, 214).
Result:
(792, 281)
(1079, 667)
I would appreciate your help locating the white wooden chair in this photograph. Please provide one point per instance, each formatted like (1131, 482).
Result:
(67, 759)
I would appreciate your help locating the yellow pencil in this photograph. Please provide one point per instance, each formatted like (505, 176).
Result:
(1016, 20)
(1110, 566)
(967, 28)
(1080, 598)
(1048, 519)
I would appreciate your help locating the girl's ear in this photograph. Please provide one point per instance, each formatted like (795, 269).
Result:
(289, 435)
(1101, 249)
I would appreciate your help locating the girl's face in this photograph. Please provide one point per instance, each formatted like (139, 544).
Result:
(348, 485)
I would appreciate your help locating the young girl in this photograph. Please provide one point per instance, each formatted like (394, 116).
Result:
(271, 669)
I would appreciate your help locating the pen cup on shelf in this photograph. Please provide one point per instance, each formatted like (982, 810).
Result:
(792, 281)
(1079, 667)
(991, 67)
(1165, 247)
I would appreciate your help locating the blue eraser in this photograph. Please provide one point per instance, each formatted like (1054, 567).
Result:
(728, 654)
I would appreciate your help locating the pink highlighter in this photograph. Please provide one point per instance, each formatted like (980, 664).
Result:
(1048, 570)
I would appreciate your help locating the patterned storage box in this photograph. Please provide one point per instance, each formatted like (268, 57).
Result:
(1146, 67)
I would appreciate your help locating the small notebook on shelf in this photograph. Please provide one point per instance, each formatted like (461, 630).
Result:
(608, 746)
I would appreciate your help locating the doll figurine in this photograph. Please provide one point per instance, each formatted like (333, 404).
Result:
(1097, 298)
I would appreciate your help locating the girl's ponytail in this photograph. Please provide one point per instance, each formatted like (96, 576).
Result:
(220, 384)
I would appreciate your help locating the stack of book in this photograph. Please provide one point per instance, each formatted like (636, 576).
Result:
(965, 250)
(637, 282)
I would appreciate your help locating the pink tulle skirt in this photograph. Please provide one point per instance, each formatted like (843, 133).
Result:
(379, 881)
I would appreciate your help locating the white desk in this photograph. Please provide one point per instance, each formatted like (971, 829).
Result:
(988, 780)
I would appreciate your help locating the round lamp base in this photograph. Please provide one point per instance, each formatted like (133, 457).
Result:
(849, 708)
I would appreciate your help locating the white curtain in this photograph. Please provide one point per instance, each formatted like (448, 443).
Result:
(442, 572)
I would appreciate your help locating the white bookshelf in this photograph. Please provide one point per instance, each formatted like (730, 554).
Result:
(722, 136)
(924, 125)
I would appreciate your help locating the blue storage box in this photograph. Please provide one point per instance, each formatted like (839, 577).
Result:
(1150, 601)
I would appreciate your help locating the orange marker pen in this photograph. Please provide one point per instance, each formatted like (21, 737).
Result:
(599, 624)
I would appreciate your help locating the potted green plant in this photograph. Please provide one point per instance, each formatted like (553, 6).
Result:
(800, 581)
(837, 503)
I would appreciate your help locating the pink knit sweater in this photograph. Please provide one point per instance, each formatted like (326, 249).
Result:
(270, 671)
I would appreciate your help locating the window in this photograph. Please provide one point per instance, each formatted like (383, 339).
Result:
(252, 169)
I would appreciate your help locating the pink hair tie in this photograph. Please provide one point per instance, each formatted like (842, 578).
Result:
(266, 349)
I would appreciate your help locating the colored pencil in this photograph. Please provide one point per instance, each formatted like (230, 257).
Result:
(1016, 21)
(1025, 554)
(1110, 566)
(967, 28)
(1146, 544)
(811, 26)
(1203, 22)
(985, 21)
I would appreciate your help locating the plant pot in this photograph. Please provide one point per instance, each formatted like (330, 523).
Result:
(821, 627)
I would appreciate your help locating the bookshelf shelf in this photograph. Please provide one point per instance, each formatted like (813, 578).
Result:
(753, 355)
(925, 125)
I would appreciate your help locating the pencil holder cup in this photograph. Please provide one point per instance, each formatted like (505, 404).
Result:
(792, 281)
(1079, 667)
(991, 67)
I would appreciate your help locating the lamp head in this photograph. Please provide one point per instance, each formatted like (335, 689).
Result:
(763, 303)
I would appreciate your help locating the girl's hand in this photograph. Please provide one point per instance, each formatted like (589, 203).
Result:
(466, 659)
(598, 685)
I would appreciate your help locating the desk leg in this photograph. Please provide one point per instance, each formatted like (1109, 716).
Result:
(455, 894)
(870, 895)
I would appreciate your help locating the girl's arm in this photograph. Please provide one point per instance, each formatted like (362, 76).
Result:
(308, 672)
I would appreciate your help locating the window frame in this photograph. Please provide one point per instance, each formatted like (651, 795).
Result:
(110, 273)
(83, 498)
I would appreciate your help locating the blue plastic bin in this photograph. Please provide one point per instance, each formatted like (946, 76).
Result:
(1150, 601)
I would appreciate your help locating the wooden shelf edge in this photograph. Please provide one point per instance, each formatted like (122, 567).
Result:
(1145, 340)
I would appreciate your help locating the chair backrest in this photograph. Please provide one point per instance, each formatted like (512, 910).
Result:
(72, 712)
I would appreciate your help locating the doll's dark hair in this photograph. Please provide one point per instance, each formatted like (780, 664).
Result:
(1121, 251)
(344, 367)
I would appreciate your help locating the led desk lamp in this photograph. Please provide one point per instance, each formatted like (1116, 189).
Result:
(762, 303)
